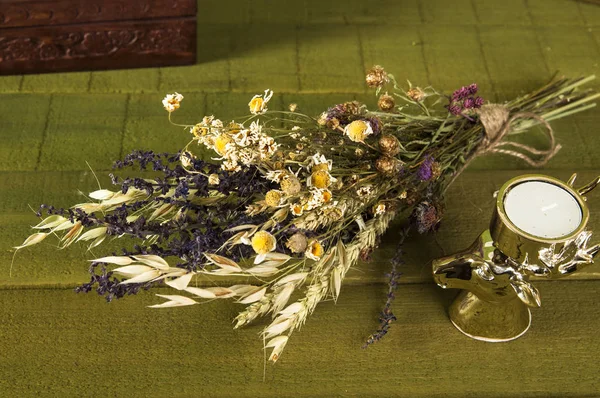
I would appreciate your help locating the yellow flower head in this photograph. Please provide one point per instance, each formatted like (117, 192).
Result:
(258, 103)
(314, 251)
(273, 198)
(358, 130)
(320, 179)
(172, 102)
(263, 242)
(221, 144)
(321, 166)
(326, 196)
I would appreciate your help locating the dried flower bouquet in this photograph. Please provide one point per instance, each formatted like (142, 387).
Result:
(293, 202)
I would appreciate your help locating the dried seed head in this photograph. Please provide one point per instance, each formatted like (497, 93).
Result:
(333, 123)
(388, 166)
(322, 119)
(416, 94)
(297, 243)
(436, 170)
(273, 198)
(290, 185)
(377, 77)
(386, 102)
(352, 107)
(389, 145)
(359, 152)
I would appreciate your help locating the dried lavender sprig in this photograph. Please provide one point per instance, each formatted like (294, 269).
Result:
(387, 316)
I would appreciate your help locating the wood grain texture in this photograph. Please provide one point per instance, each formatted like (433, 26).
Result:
(98, 46)
(18, 13)
(57, 343)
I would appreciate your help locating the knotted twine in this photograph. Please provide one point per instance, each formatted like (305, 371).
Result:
(497, 122)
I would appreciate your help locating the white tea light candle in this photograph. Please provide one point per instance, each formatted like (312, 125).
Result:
(542, 209)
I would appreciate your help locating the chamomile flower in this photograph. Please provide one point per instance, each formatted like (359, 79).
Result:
(314, 251)
(379, 209)
(258, 103)
(320, 179)
(297, 209)
(263, 242)
(365, 191)
(358, 130)
(172, 102)
(274, 198)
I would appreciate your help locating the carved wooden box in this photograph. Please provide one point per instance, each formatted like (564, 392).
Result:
(67, 35)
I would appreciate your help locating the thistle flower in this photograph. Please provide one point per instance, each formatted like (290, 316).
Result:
(377, 77)
(416, 94)
(263, 242)
(297, 243)
(314, 251)
(386, 102)
(258, 103)
(172, 102)
(389, 145)
(358, 130)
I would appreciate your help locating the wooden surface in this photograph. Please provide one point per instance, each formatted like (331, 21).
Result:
(54, 342)
(74, 35)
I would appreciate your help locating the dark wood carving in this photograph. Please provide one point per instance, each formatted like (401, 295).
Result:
(14, 13)
(98, 46)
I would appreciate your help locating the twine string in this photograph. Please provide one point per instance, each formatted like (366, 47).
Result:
(497, 125)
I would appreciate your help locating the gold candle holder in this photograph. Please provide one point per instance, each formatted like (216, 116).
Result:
(538, 229)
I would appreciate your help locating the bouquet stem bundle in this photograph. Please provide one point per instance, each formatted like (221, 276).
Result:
(291, 202)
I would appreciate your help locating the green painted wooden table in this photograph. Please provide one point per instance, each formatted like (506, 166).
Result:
(56, 343)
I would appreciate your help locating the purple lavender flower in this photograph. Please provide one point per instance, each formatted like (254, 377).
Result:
(425, 173)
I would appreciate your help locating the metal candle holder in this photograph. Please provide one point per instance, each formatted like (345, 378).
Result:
(495, 271)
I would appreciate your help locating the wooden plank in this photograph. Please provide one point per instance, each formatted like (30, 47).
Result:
(57, 342)
(130, 44)
(18, 13)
